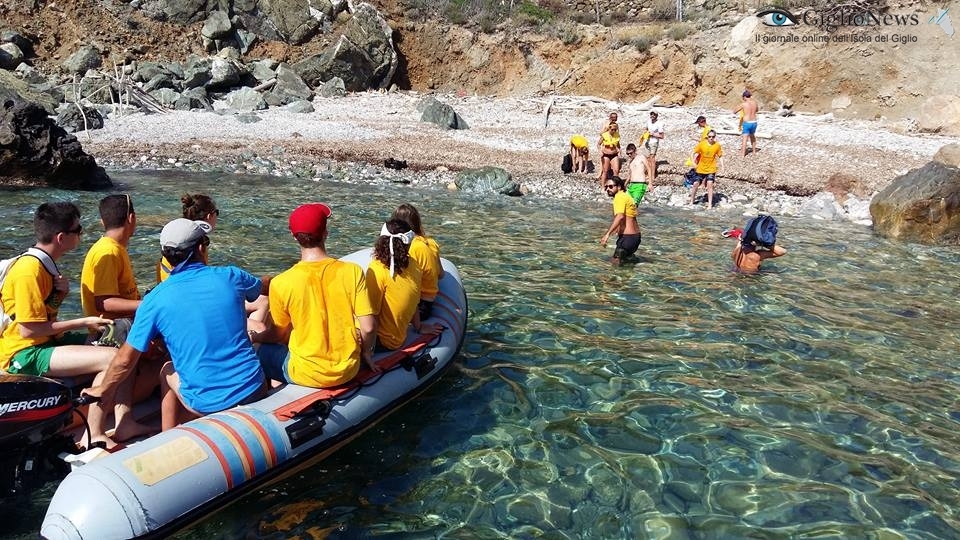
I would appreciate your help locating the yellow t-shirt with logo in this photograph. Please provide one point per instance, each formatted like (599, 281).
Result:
(426, 252)
(106, 272)
(27, 296)
(708, 157)
(321, 301)
(394, 300)
(623, 204)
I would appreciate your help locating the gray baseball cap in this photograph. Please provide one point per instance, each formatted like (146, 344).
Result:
(183, 233)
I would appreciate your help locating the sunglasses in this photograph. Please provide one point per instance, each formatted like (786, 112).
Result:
(216, 212)
(609, 186)
(78, 230)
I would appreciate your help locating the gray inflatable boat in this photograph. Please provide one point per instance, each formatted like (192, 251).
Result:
(156, 486)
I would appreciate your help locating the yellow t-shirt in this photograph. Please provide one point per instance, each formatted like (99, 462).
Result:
(623, 204)
(708, 157)
(321, 301)
(579, 141)
(27, 296)
(106, 272)
(426, 252)
(394, 300)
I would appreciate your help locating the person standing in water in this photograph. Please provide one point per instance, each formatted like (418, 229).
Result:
(624, 221)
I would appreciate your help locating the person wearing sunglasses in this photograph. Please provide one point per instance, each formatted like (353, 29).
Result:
(37, 342)
(624, 221)
(708, 155)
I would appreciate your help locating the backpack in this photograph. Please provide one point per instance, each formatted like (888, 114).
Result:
(761, 230)
(567, 165)
(7, 264)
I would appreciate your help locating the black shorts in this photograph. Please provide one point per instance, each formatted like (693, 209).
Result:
(627, 245)
(706, 177)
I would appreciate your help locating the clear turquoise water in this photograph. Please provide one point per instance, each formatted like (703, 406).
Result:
(671, 399)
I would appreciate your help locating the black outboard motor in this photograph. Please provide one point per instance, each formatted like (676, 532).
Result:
(33, 412)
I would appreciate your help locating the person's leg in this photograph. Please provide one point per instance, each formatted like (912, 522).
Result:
(76, 360)
(693, 190)
(652, 166)
(743, 145)
(274, 358)
(709, 192)
(257, 310)
(753, 143)
(604, 169)
(615, 163)
(172, 410)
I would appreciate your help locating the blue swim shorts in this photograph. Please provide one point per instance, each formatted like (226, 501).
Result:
(749, 128)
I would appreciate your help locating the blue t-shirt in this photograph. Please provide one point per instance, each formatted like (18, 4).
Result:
(199, 312)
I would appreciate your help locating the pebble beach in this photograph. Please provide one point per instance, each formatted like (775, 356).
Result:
(806, 165)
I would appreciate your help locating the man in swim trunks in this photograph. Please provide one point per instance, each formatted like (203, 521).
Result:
(637, 184)
(624, 221)
(651, 142)
(748, 111)
(579, 153)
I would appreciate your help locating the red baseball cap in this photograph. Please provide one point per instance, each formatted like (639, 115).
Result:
(732, 233)
(310, 218)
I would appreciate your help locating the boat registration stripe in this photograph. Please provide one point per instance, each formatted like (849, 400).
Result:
(239, 444)
(216, 452)
(266, 443)
(453, 322)
(253, 441)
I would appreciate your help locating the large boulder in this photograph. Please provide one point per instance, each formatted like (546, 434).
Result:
(35, 151)
(364, 55)
(740, 45)
(486, 180)
(12, 88)
(441, 114)
(291, 21)
(940, 114)
(922, 205)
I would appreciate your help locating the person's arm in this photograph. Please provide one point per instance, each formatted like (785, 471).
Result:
(368, 339)
(777, 251)
(123, 363)
(116, 306)
(52, 328)
(615, 226)
(720, 165)
(265, 285)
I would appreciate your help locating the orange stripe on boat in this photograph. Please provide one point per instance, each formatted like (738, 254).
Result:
(265, 442)
(216, 452)
(246, 458)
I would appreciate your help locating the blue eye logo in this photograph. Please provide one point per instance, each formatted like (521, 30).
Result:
(777, 17)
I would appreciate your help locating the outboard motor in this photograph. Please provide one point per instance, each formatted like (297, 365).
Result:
(33, 412)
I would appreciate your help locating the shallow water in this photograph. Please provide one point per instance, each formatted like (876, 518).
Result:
(670, 399)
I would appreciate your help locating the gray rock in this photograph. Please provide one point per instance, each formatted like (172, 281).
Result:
(22, 42)
(948, 154)
(217, 26)
(193, 98)
(166, 96)
(85, 58)
(486, 180)
(248, 118)
(175, 11)
(30, 75)
(364, 56)
(300, 107)
(71, 119)
(241, 100)
(35, 151)
(333, 88)
(263, 70)
(291, 21)
(223, 74)
(440, 114)
(245, 40)
(922, 205)
(96, 88)
(823, 205)
(290, 87)
(10, 56)
(160, 80)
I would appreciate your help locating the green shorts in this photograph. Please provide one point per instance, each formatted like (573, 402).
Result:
(636, 190)
(36, 360)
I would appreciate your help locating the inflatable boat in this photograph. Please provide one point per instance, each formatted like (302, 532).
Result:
(158, 485)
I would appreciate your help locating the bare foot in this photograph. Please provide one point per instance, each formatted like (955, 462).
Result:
(130, 430)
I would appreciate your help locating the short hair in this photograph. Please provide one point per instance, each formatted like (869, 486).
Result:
(308, 240)
(409, 214)
(631, 146)
(401, 251)
(115, 209)
(711, 132)
(51, 219)
(620, 182)
(197, 206)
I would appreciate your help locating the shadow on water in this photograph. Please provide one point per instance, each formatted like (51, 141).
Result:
(669, 398)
